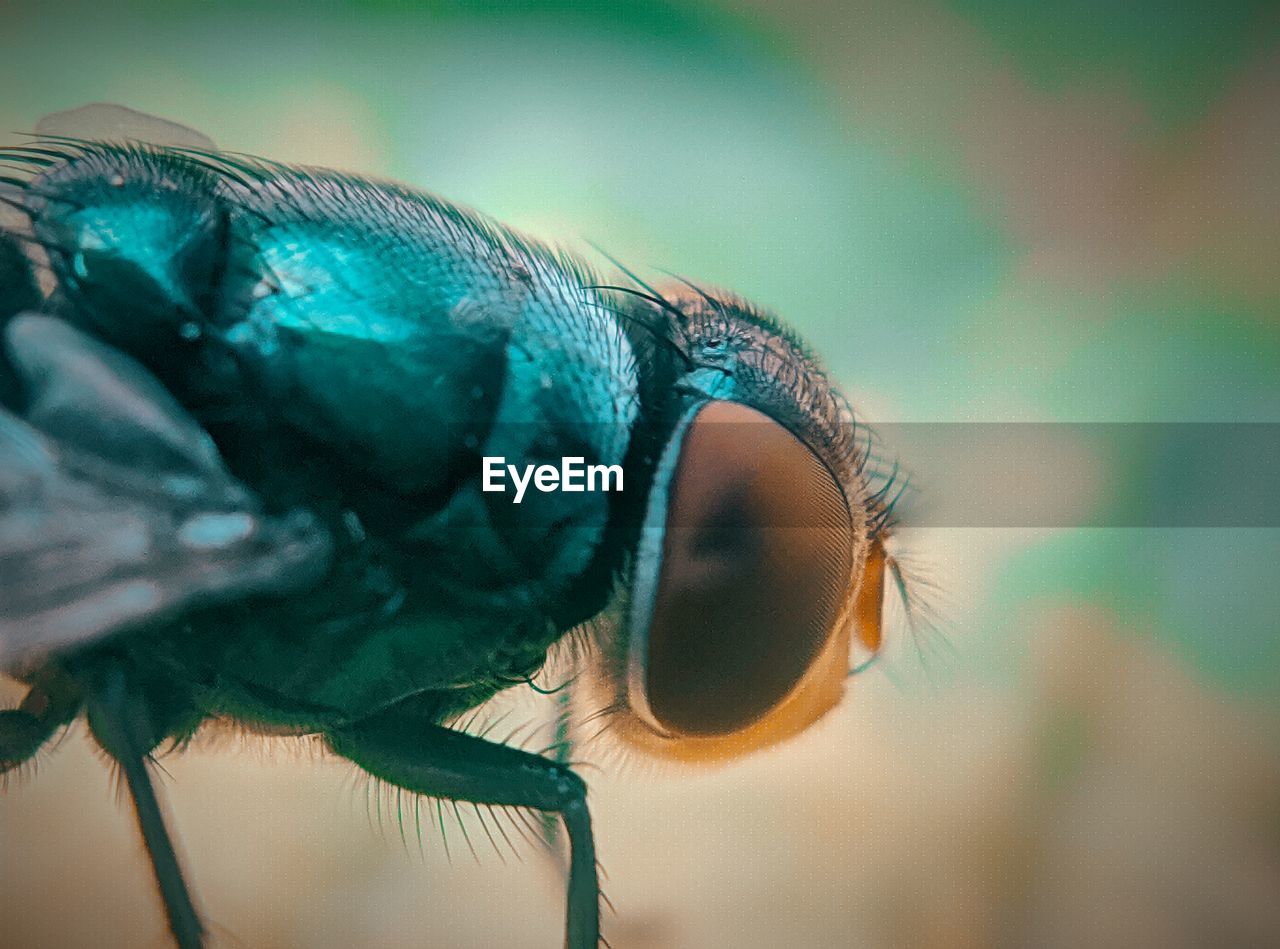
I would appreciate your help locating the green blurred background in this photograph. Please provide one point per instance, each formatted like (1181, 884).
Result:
(977, 210)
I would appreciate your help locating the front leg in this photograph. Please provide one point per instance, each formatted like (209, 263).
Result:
(427, 758)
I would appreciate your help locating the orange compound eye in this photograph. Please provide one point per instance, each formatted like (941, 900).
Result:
(749, 579)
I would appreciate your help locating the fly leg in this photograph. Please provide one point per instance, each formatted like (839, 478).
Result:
(51, 703)
(122, 724)
(561, 753)
(427, 758)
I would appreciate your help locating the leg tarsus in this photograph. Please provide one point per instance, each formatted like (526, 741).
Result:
(561, 751)
(121, 724)
(584, 886)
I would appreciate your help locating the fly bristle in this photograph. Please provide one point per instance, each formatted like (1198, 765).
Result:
(384, 802)
(489, 834)
(14, 774)
(921, 600)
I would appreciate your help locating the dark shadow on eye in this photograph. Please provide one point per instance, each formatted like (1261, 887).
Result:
(756, 562)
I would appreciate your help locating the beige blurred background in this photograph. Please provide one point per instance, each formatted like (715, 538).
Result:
(977, 210)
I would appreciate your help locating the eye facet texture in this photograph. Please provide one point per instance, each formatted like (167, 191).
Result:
(755, 567)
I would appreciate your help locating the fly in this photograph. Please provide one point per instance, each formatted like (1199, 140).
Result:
(247, 413)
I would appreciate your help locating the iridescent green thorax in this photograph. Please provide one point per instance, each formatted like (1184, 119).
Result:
(356, 348)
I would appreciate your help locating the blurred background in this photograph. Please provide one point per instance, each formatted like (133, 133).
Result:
(978, 211)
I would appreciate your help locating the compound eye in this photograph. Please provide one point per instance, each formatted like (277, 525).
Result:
(742, 575)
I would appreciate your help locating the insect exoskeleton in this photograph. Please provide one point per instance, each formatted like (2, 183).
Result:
(243, 448)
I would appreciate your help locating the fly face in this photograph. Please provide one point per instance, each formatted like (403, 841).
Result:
(759, 564)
